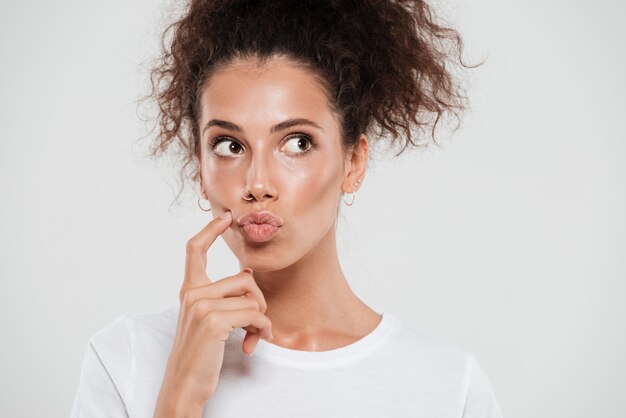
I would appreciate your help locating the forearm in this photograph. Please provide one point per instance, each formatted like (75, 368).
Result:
(171, 406)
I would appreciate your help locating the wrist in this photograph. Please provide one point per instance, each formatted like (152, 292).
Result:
(171, 405)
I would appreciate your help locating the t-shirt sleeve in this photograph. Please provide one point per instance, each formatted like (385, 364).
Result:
(104, 374)
(480, 399)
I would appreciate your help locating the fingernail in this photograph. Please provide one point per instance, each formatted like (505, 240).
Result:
(226, 215)
(248, 269)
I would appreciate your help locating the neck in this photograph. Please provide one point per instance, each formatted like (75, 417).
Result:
(311, 299)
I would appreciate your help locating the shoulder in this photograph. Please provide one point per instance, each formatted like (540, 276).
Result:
(479, 395)
(427, 349)
(128, 335)
(117, 355)
(445, 362)
(121, 330)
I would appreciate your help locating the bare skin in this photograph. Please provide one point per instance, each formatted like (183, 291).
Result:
(209, 311)
(297, 290)
(310, 303)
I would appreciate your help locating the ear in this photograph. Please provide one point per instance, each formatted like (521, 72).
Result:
(356, 164)
(202, 193)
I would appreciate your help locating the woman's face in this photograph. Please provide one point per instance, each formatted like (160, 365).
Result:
(295, 172)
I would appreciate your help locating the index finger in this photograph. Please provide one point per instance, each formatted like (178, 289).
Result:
(197, 247)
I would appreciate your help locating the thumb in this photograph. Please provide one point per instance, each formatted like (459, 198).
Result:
(249, 342)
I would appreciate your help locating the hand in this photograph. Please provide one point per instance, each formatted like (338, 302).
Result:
(209, 311)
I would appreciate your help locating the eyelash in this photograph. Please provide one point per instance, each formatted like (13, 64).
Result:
(213, 143)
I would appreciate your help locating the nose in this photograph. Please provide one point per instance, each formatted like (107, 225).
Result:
(259, 179)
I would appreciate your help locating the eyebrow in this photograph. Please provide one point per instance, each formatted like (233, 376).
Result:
(278, 127)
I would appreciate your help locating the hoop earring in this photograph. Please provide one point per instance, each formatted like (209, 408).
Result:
(206, 210)
(244, 198)
(353, 194)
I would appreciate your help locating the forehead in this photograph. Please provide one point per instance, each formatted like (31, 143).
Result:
(277, 89)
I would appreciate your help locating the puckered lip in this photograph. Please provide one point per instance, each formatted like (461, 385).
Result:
(264, 217)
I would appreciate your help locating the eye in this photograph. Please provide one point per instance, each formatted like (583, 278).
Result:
(228, 148)
(296, 142)
(222, 145)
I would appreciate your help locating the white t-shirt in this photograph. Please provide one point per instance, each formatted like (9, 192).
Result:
(392, 372)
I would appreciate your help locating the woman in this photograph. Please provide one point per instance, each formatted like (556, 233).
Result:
(272, 103)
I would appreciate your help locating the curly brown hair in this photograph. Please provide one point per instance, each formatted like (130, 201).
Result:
(383, 64)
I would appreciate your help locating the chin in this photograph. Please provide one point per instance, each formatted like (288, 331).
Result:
(262, 264)
(266, 258)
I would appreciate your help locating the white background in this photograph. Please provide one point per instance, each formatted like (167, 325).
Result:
(509, 240)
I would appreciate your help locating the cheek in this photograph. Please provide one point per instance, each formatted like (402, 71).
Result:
(315, 177)
(218, 182)
(314, 192)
